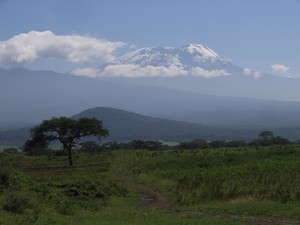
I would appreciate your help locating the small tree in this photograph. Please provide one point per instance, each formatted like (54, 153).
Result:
(66, 130)
(266, 138)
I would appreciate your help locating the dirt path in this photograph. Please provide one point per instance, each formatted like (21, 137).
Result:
(153, 198)
(149, 198)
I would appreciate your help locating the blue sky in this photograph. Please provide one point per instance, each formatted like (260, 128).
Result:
(252, 33)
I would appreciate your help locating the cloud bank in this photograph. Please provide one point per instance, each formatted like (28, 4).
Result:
(136, 71)
(280, 68)
(77, 49)
(29, 47)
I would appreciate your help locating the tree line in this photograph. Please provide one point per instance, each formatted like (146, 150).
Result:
(265, 138)
(68, 133)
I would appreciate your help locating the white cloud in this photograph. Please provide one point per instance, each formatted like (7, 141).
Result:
(254, 73)
(257, 74)
(247, 71)
(198, 71)
(136, 71)
(131, 70)
(279, 68)
(87, 72)
(29, 47)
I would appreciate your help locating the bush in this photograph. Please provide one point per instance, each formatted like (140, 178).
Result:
(284, 194)
(16, 203)
(65, 207)
(4, 178)
(217, 144)
(89, 188)
(60, 153)
(195, 144)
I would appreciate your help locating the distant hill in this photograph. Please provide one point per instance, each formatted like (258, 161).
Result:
(14, 137)
(28, 97)
(128, 126)
(125, 126)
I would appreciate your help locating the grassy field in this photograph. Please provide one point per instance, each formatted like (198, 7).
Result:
(212, 186)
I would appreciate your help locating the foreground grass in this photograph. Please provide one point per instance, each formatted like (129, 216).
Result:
(105, 188)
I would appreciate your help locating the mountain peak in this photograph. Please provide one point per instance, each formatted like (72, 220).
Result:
(202, 50)
(187, 56)
(188, 60)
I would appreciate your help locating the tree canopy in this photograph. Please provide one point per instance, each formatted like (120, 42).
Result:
(267, 138)
(65, 130)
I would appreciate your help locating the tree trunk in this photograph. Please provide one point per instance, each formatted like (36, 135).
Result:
(70, 156)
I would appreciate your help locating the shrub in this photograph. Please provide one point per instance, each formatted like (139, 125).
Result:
(16, 203)
(195, 144)
(284, 194)
(65, 207)
(89, 188)
(4, 178)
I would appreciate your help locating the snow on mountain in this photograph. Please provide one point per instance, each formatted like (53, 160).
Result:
(155, 56)
(189, 60)
(187, 56)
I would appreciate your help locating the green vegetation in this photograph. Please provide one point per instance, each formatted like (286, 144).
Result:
(233, 186)
(224, 174)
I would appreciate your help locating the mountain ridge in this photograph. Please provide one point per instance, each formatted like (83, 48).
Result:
(28, 97)
(127, 126)
(195, 68)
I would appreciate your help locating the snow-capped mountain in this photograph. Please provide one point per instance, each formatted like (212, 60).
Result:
(192, 59)
(189, 67)
(192, 55)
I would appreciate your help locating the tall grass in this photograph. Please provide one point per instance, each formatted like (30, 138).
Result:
(42, 190)
(271, 173)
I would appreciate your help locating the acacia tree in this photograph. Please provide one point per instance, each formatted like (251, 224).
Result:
(66, 130)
